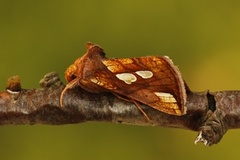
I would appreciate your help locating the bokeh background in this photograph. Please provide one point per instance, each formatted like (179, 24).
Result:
(36, 37)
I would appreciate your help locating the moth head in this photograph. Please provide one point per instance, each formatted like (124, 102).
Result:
(71, 73)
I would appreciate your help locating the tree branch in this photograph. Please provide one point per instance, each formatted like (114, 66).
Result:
(209, 113)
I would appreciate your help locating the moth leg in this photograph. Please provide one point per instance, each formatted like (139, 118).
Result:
(144, 113)
(136, 104)
(121, 97)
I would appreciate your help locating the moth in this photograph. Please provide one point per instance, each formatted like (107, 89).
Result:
(151, 80)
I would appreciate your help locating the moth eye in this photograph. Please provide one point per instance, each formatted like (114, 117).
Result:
(70, 73)
(73, 77)
(69, 78)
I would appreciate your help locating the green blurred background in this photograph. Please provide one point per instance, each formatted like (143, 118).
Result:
(37, 37)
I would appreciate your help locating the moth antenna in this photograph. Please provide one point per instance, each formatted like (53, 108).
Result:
(68, 86)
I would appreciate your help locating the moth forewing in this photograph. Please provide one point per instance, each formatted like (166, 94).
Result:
(154, 81)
